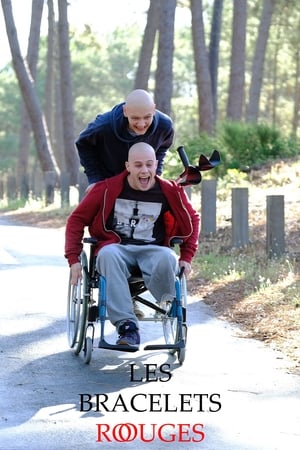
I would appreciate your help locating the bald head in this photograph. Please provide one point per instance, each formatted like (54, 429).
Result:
(139, 109)
(141, 149)
(141, 166)
(139, 99)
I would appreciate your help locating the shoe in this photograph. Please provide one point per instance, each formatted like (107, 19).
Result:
(128, 334)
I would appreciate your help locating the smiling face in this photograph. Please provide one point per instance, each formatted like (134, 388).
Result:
(139, 121)
(139, 110)
(141, 166)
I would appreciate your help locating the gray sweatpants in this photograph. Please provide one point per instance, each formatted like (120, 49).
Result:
(116, 263)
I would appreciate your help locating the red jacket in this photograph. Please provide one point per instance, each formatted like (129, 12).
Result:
(94, 209)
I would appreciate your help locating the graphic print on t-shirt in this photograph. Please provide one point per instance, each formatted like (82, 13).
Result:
(135, 219)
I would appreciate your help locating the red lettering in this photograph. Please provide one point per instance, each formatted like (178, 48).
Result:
(102, 432)
(124, 432)
(183, 431)
(142, 432)
(167, 432)
(196, 431)
(161, 429)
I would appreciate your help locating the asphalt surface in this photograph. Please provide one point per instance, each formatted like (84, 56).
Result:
(230, 393)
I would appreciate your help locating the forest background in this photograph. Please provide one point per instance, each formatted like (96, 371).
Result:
(229, 76)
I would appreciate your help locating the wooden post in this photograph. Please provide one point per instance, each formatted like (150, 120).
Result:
(275, 226)
(208, 206)
(240, 225)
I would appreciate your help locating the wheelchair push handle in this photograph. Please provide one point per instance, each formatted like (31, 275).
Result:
(191, 174)
(183, 156)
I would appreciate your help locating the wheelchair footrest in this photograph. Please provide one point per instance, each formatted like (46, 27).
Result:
(120, 348)
(177, 346)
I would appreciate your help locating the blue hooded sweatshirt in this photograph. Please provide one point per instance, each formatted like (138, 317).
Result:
(103, 146)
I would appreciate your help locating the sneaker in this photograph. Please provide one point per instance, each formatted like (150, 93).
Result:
(128, 334)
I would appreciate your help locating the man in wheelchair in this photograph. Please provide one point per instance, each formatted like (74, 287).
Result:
(134, 216)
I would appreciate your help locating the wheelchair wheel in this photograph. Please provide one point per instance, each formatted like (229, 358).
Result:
(87, 350)
(77, 306)
(72, 313)
(172, 327)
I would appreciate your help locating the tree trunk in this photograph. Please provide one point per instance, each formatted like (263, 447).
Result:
(53, 106)
(205, 101)
(236, 93)
(296, 111)
(271, 105)
(29, 94)
(164, 71)
(214, 53)
(50, 74)
(146, 53)
(71, 155)
(25, 127)
(252, 110)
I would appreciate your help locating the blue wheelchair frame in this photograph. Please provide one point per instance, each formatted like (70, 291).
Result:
(83, 311)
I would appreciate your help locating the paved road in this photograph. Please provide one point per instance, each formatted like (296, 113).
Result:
(234, 390)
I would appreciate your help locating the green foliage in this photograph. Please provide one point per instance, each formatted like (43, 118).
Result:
(201, 144)
(11, 205)
(122, 54)
(194, 147)
(103, 71)
(9, 103)
(253, 267)
(242, 146)
(8, 150)
(184, 83)
(252, 144)
(232, 178)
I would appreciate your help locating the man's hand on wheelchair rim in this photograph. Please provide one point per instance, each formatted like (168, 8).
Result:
(76, 273)
(187, 267)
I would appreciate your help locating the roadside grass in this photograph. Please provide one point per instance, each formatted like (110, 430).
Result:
(34, 212)
(260, 295)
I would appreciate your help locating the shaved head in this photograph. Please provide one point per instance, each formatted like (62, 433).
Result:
(141, 148)
(139, 99)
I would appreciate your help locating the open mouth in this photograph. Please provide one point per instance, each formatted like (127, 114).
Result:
(144, 181)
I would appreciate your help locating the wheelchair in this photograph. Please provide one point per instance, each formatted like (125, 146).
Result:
(86, 305)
